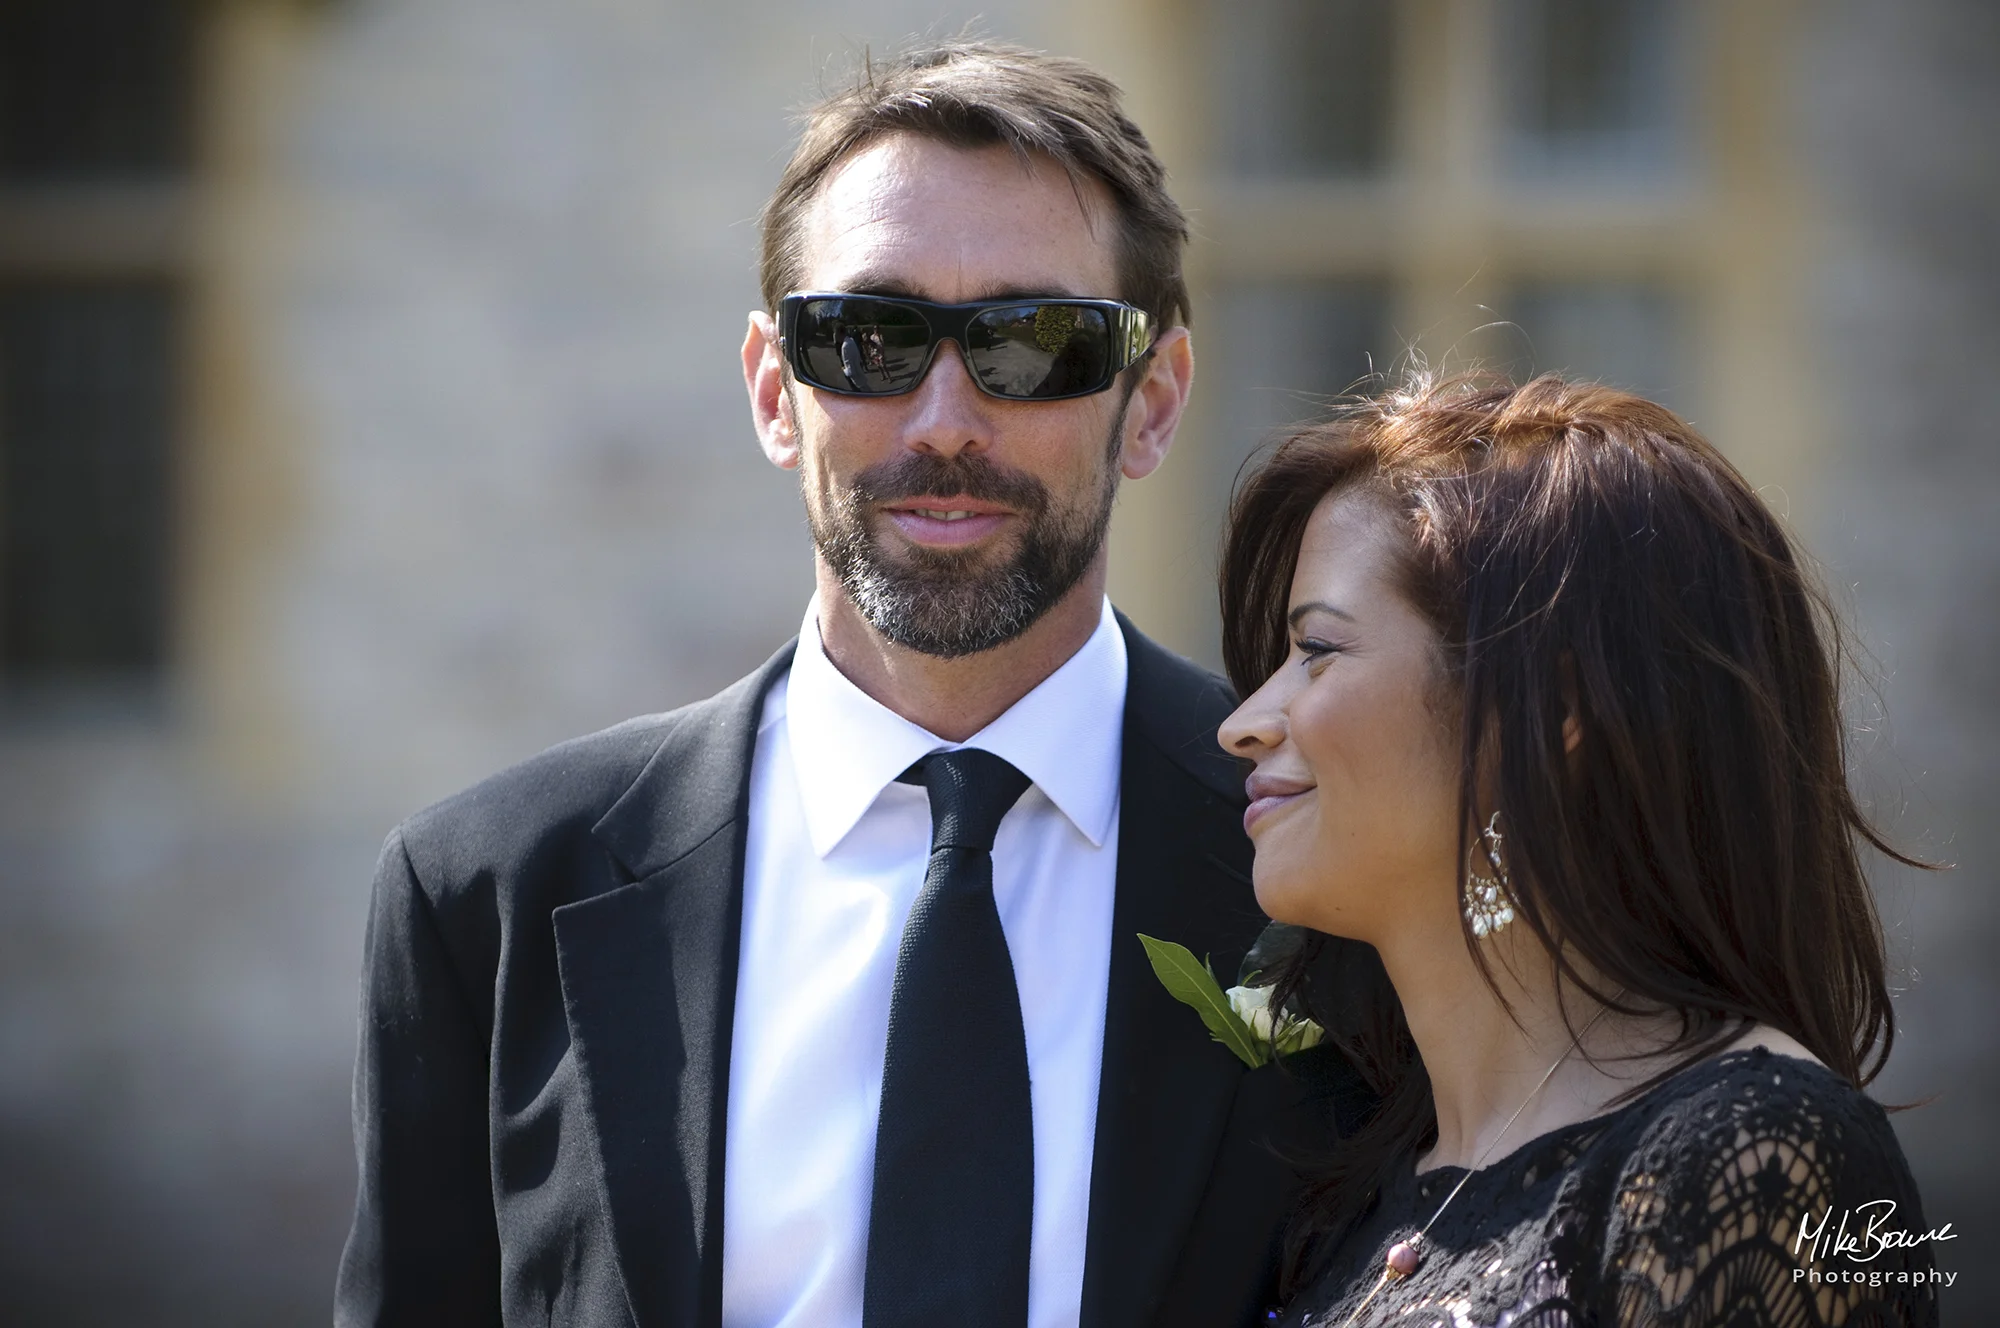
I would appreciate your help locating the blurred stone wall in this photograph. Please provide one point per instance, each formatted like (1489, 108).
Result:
(1898, 111)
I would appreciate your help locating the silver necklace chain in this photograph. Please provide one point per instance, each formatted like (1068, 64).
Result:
(1412, 1248)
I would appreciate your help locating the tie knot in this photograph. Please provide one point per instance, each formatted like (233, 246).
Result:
(970, 791)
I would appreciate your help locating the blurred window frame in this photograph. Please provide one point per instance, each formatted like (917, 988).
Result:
(1468, 221)
(97, 212)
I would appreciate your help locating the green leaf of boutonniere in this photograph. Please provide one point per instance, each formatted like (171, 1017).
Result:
(1188, 981)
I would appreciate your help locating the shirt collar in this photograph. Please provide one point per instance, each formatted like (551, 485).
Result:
(1067, 736)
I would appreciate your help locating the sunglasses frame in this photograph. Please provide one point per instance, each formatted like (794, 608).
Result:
(1131, 336)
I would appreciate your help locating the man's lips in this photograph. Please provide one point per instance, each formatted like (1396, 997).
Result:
(1268, 794)
(946, 522)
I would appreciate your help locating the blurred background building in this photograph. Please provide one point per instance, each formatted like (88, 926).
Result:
(370, 418)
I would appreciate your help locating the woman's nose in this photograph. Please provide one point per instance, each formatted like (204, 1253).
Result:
(1256, 726)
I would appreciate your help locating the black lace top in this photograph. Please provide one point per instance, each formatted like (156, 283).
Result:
(1715, 1199)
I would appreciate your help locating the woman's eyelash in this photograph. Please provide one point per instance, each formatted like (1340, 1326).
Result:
(1313, 648)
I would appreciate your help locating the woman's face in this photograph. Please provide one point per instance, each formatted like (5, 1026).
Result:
(1354, 802)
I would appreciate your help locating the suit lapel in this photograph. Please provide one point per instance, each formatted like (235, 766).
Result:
(1165, 1088)
(649, 984)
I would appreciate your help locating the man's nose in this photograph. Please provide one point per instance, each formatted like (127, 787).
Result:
(948, 411)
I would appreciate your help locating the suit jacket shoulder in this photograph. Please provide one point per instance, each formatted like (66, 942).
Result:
(458, 842)
(1176, 705)
(471, 847)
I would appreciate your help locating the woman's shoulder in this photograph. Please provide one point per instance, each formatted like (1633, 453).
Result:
(1768, 1135)
(1758, 1097)
(1737, 1172)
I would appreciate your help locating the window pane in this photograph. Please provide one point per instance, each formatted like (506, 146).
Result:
(1596, 86)
(92, 90)
(1630, 335)
(1303, 85)
(86, 411)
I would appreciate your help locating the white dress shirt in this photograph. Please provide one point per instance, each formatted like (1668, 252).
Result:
(836, 856)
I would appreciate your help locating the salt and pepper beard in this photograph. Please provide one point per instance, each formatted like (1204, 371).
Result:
(950, 603)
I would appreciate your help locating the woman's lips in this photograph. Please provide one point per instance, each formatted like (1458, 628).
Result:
(945, 522)
(1261, 807)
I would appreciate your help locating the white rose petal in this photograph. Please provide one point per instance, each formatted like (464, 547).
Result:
(1253, 1007)
(1245, 1000)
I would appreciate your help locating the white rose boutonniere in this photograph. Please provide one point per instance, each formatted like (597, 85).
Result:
(1284, 1036)
(1241, 1018)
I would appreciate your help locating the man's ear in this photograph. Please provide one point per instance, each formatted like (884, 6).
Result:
(1156, 406)
(770, 404)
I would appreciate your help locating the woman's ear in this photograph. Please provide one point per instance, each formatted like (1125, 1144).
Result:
(1572, 697)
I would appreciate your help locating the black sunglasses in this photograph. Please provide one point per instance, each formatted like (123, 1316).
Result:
(1023, 350)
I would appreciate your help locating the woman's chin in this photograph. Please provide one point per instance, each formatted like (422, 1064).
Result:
(1289, 891)
(1287, 897)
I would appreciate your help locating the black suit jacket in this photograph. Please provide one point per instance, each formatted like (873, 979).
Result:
(540, 1095)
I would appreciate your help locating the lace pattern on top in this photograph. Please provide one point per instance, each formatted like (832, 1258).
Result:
(1681, 1210)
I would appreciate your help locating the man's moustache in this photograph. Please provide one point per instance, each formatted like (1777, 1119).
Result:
(918, 475)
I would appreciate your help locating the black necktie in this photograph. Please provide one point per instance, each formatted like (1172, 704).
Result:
(954, 1144)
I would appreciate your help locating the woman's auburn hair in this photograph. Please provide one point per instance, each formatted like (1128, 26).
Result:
(1583, 553)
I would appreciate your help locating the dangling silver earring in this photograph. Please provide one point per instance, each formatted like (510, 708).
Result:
(1488, 906)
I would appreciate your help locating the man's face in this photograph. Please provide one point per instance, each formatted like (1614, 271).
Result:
(953, 519)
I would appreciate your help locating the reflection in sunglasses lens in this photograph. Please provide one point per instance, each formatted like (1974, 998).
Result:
(863, 345)
(1043, 350)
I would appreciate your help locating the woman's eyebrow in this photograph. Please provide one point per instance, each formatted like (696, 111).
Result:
(1317, 606)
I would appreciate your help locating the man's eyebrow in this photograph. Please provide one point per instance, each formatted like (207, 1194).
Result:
(870, 283)
(1317, 606)
(1042, 292)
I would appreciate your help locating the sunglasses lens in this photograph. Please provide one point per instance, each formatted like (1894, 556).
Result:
(856, 344)
(872, 345)
(1041, 350)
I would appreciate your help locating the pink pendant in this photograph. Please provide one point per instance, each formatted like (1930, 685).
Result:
(1403, 1258)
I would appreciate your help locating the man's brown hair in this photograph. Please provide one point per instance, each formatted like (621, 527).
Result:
(975, 94)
